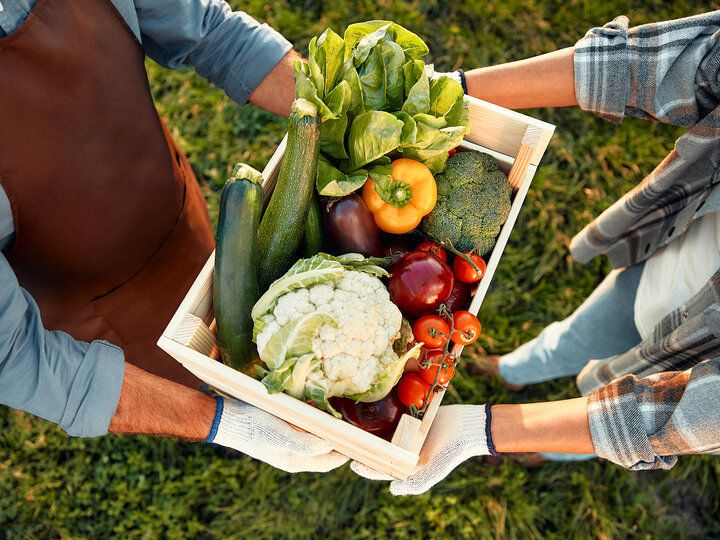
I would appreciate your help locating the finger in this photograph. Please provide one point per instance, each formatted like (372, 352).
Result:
(367, 472)
(427, 477)
(322, 463)
(305, 444)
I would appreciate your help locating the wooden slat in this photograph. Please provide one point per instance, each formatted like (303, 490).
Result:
(502, 130)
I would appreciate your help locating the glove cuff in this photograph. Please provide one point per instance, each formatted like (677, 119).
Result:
(488, 431)
(216, 420)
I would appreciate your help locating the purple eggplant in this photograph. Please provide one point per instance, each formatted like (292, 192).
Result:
(351, 227)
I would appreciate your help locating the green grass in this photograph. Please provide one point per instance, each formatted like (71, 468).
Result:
(53, 486)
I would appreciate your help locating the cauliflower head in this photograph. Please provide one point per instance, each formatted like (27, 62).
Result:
(332, 337)
(474, 199)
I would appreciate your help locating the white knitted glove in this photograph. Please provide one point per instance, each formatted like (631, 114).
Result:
(458, 432)
(265, 437)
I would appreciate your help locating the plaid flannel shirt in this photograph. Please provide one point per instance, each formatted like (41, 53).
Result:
(661, 399)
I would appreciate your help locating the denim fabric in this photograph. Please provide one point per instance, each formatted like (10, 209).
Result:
(602, 326)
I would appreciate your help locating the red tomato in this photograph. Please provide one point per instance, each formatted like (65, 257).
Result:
(434, 359)
(412, 390)
(432, 247)
(419, 283)
(465, 272)
(466, 328)
(459, 296)
(451, 153)
(432, 330)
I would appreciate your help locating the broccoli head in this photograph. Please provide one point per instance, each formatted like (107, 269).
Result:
(473, 202)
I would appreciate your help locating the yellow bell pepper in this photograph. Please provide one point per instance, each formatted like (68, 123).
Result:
(400, 206)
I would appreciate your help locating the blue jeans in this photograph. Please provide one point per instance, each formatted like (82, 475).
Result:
(603, 326)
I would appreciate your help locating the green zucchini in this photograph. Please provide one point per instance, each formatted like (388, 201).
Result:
(235, 285)
(282, 226)
(314, 235)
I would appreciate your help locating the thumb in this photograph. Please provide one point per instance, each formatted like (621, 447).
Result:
(367, 472)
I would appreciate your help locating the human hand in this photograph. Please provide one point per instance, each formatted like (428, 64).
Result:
(458, 432)
(263, 436)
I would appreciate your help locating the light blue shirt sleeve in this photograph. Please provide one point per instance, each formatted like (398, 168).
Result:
(230, 49)
(50, 374)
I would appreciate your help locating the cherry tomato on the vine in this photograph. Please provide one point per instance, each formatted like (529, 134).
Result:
(434, 359)
(412, 390)
(466, 328)
(434, 248)
(465, 272)
(432, 330)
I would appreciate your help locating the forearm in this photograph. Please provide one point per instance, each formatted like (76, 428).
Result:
(557, 426)
(276, 92)
(156, 406)
(543, 81)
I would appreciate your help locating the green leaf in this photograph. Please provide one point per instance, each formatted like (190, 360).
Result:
(361, 38)
(412, 72)
(372, 135)
(332, 138)
(350, 75)
(409, 131)
(293, 339)
(279, 379)
(373, 80)
(331, 182)
(394, 59)
(412, 46)
(306, 89)
(418, 97)
(300, 372)
(444, 92)
(330, 49)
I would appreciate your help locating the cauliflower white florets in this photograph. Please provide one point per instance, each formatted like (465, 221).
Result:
(356, 351)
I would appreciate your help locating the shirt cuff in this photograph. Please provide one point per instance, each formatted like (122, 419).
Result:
(95, 391)
(262, 55)
(618, 430)
(602, 70)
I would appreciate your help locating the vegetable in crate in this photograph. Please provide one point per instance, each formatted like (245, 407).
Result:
(398, 206)
(351, 227)
(327, 328)
(235, 285)
(283, 224)
(473, 203)
(376, 98)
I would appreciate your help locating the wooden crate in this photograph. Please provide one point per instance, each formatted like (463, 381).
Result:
(518, 143)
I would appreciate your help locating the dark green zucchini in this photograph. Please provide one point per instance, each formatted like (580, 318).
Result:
(283, 223)
(235, 285)
(314, 237)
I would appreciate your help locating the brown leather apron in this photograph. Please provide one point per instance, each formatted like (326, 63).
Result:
(111, 226)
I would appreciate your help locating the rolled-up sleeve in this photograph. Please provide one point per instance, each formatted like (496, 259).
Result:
(48, 373)
(646, 423)
(662, 71)
(230, 49)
